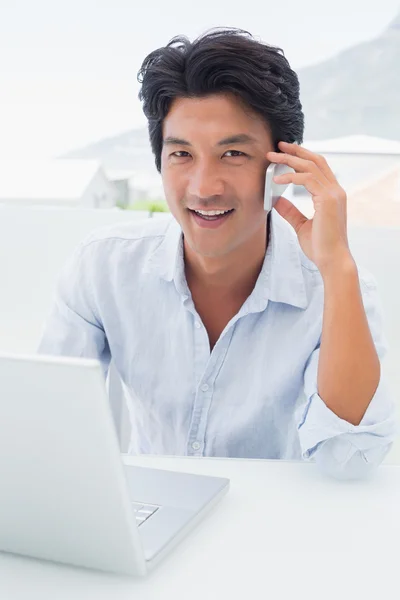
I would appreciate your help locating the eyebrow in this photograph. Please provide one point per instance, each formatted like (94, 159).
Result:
(240, 138)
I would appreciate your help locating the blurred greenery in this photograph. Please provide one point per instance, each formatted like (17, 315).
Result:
(150, 206)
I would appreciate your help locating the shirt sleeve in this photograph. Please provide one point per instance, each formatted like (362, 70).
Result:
(341, 449)
(73, 327)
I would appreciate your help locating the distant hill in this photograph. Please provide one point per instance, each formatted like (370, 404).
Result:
(356, 92)
(120, 151)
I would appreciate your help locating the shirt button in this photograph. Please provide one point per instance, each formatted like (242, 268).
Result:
(204, 387)
(197, 325)
(196, 446)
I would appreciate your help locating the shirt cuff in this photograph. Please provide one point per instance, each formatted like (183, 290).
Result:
(335, 443)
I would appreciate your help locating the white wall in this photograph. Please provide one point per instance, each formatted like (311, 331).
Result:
(98, 192)
(41, 202)
(378, 249)
(353, 170)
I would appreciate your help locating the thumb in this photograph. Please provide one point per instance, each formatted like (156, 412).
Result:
(290, 212)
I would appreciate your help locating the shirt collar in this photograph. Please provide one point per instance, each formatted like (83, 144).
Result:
(281, 278)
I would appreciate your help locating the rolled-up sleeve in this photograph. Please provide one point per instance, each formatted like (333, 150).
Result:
(341, 449)
(73, 328)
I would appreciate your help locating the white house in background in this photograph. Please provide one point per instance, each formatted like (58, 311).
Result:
(377, 203)
(358, 161)
(56, 182)
(137, 186)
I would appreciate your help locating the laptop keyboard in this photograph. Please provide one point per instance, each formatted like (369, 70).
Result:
(143, 511)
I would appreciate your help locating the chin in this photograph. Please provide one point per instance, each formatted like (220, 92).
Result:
(209, 250)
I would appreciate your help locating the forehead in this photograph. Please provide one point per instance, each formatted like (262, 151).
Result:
(212, 116)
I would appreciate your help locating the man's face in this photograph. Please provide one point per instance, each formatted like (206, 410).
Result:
(204, 168)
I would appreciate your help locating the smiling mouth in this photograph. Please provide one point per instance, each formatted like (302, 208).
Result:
(212, 217)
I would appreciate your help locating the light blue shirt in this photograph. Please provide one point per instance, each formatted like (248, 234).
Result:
(123, 294)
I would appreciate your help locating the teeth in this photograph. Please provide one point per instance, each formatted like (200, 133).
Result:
(211, 213)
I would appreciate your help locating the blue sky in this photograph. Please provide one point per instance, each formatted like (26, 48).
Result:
(68, 68)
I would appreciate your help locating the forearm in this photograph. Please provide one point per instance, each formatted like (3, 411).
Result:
(349, 367)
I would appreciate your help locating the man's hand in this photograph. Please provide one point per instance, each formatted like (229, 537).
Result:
(324, 237)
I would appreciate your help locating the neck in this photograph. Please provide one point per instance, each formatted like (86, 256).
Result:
(234, 274)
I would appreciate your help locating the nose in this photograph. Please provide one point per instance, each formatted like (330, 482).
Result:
(205, 182)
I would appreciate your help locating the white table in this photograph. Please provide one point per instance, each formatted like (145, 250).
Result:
(283, 532)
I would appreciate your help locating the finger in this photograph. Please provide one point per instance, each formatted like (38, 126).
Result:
(308, 180)
(298, 164)
(290, 212)
(318, 159)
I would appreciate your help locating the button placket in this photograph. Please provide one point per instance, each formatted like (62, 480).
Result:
(203, 397)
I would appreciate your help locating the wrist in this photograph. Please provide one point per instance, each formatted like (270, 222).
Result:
(341, 265)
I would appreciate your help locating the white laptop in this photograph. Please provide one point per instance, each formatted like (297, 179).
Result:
(65, 494)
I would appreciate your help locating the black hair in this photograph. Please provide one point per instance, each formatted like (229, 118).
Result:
(222, 61)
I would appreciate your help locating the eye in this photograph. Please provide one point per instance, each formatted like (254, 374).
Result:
(180, 154)
(235, 153)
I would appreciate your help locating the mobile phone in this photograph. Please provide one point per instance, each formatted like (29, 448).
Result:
(273, 191)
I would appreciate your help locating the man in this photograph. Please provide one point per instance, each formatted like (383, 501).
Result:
(233, 334)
